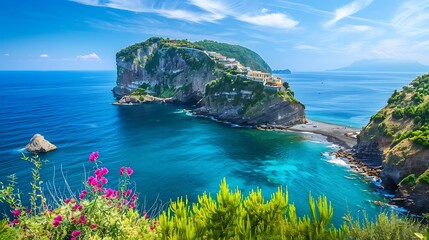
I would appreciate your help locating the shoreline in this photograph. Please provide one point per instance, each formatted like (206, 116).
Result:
(337, 134)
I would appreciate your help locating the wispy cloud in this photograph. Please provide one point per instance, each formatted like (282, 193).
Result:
(412, 17)
(355, 28)
(348, 10)
(91, 56)
(44, 55)
(306, 47)
(200, 11)
(6, 54)
(274, 20)
(211, 12)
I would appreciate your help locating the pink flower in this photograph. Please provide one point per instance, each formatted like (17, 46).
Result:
(98, 173)
(15, 221)
(93, 156)
(127, 193)
(82, 194)
(16, 212)
(72, 238)
(104, 171)
(58, 218)
(134, 197)
(66, 200)
(94, 182)
(82, 219)
(75, 233)
(77, 207)
(129, 171)
(90, 180)
(110, 193)
(28, 211)
(93, 226)
(56, 223)
(103, 180)
(152, 227)
(121, 171)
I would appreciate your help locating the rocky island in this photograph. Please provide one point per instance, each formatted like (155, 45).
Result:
(397, 139)
(228, 82)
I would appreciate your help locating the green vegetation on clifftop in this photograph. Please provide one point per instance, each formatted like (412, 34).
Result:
(406, 115)
(244, 55)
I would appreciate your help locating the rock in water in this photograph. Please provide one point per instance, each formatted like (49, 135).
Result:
(38, 144)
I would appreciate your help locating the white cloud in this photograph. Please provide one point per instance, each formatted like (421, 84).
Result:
(264, 10)
(91, 56)
(212, 6)
(356, 28)
(44, 55)
(348, 10)
(6, 55)
(308, 47)
(274, 20)
(188, 15)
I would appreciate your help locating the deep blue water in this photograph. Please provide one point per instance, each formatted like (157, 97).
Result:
(174, 154)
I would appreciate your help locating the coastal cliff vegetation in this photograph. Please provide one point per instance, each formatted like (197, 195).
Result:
(400, 132)
(242, 54)
(101, 212)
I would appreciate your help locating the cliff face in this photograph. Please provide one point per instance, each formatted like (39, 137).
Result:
(397, 137)
(164, 71)
(242, 101)
(181, 71)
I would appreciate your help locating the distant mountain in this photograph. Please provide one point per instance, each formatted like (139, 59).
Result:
(385, 65)
(284, 71)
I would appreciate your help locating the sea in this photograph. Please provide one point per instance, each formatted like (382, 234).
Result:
(175, 154)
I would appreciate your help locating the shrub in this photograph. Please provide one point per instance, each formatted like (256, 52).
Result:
(409, 180)
(384, 227)
(378, 117)
(424, 177)
(398, 113)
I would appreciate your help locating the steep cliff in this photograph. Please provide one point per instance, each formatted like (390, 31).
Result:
(397, 137)
(239, 100)
(164, 69)
(180, 71)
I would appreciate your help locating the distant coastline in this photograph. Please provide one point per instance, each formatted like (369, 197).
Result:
(284, 71)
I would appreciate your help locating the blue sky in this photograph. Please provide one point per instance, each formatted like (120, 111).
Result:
(304, 35)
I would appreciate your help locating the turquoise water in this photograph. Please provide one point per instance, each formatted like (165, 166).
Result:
(347, 98)
(174, 154)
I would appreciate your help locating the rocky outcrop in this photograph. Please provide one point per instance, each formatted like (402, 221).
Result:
(368, 152)
(137, 100)
(38, 144)
(269, 112)
(238, 100)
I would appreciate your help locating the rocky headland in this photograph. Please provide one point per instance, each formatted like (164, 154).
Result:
(397, 140)
(210, 75)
